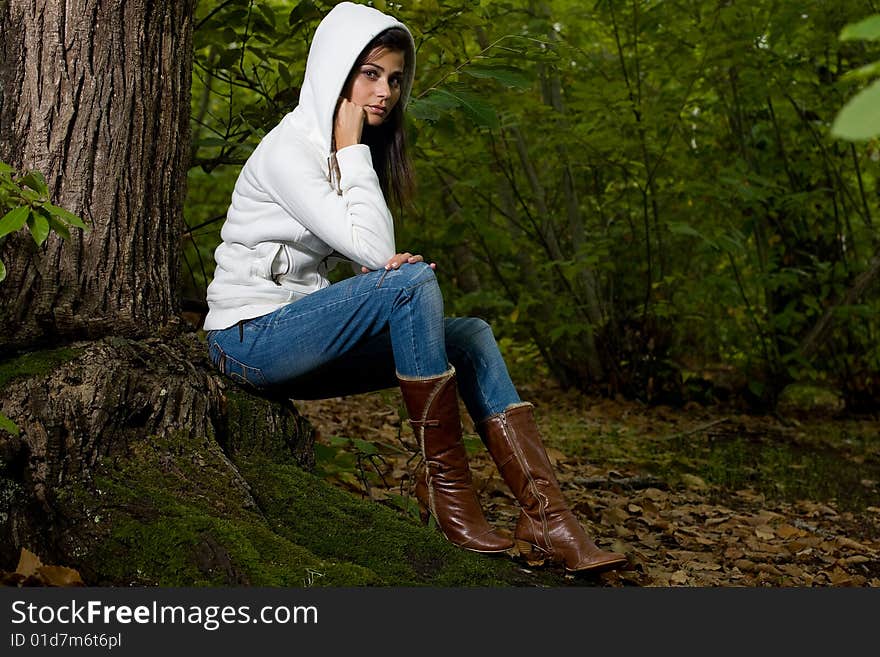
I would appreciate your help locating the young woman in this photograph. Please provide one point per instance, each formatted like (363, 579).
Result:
(313, 194)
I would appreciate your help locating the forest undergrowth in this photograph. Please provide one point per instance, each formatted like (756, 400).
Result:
(695, 496)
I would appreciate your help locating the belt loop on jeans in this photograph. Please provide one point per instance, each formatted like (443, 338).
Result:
(241, 330)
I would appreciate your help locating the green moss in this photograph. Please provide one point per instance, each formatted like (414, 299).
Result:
(165, 515)
(338, 526)
(188, 546)
(248, 430)
(35, 363)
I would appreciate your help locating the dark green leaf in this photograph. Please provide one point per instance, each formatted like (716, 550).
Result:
(364, 446)
(38, 224)
(867, 29)
(14, 220)
(506, 75)
(65, 215)
(268, 13)
(304, 11)
(475, 107)
(35, 180)
(59, 227)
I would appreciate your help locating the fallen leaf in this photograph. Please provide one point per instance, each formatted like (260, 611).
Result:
(855, 559)
(843, 541)
(787, 531)
(60, 576)
(679, 577)
(28, 563)
(765, 533)
(839, 577)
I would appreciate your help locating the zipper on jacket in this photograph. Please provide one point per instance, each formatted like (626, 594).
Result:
(335, 174)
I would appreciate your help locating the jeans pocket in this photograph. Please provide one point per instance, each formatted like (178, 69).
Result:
(235, 369)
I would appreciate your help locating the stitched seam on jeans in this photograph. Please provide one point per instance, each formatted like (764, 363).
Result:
(412, 337)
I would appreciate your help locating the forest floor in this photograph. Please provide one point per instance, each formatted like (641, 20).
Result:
(694, 496)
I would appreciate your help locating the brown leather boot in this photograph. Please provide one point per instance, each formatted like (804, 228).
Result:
(432, 404)
(547, 530)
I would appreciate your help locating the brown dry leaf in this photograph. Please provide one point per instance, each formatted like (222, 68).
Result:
(843, 541)
(749, 495)
(855, 559)
(786, 531)
(765, 533)
(679, 577)
(60, 576)
(745, 565)
(614, 516)
(28, 563)
(556, 456)
(658, 495)
(769, 569)
(839, 577)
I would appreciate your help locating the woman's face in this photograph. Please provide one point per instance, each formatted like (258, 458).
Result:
(375, 84)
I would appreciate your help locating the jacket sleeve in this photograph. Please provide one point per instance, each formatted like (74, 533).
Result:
(356, 223)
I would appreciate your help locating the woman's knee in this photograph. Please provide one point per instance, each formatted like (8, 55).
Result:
(470, 334)
(412, 279)
(414, 274)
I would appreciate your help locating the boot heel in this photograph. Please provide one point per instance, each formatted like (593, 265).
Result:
(532, 554)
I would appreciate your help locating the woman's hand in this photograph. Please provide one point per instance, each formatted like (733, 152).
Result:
(400, 258)
(349, 123)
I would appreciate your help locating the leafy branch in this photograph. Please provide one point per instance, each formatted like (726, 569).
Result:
(25, 201)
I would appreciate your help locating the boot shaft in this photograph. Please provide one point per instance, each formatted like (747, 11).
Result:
(446, 486)
(432, 406)
(515, 445)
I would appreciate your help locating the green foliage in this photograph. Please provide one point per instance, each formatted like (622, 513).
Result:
(25, 201)
(860, 117)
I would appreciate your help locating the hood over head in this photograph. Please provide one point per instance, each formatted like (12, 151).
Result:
(340, 37)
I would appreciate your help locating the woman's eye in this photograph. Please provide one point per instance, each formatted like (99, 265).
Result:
(370, 73)
(395, 82)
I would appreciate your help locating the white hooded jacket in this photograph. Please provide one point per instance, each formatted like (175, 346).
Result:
(290, 210)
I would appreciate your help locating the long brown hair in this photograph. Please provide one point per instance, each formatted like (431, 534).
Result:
(387, 141)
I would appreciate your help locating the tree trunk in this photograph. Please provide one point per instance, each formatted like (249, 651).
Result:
(95, 95)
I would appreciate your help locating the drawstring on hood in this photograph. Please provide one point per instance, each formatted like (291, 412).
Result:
(340, 37)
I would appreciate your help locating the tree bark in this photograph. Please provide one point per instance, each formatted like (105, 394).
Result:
(95, 95)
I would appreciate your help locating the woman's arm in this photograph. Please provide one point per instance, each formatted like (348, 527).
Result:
(353, 219)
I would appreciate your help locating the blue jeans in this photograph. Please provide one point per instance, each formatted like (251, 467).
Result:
(358, 334)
